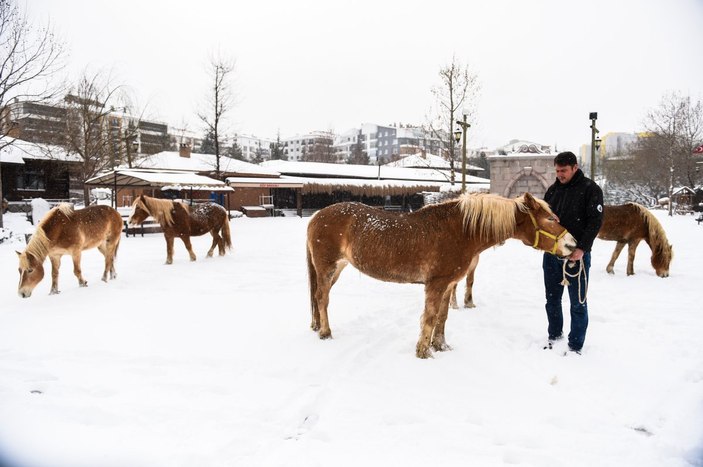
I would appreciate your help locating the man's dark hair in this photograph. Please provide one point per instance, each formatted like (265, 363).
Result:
(565, 158)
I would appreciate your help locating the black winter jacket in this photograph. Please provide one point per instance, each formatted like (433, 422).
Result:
(579, 206)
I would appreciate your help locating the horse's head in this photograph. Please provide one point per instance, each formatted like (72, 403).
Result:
(140, 211)
(31, 273)
(540, 229)
(661, 259)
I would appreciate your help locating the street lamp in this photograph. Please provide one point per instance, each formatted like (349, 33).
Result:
(464, 127)
(594, 131)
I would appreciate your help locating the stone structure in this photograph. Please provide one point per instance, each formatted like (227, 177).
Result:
(516, 173)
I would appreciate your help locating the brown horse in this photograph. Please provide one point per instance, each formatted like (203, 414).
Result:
(630, 223)
(65, 231)
(433, 246)
(182, 221)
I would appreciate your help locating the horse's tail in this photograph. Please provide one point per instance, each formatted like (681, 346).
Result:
(312, 286)
(224, 231)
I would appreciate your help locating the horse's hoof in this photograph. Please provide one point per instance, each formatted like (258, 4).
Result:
(53, 292)
(325, 335)
(83, 284)
(443, 347)
(469, 305)
(423, 353)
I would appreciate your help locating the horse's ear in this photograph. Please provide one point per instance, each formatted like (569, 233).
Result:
(531, 202)
(18, 253)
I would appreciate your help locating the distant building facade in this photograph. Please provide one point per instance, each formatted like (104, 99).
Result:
(387, 143)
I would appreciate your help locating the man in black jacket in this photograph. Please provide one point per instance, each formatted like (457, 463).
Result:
(577, 201)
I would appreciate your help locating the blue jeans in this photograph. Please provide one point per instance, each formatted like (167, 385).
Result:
(553, 276)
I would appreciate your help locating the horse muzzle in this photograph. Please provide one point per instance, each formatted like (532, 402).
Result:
(566, 245)
(24, 293)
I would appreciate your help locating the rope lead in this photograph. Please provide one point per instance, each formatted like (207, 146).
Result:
(565, 281)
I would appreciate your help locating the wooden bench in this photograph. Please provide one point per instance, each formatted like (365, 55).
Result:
(148, 226)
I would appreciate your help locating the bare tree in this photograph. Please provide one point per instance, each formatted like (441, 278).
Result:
(677, 123)
(29, 58)
(220, 101)
(662, 156)
(90, 133)
(458, 89)
(277, 149)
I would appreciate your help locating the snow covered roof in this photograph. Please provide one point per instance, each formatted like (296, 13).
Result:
(17, 151)
(321, 169)
(171, 160)
(428, 160)
(160, 178)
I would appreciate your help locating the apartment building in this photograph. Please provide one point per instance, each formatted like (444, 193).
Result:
(386, 143)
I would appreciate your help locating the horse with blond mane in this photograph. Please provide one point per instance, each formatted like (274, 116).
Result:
(432, 246)
(629, 224)
(180, 220)
(64, 230)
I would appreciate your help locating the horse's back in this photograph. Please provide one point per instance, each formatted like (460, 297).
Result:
(97, 224)
(389, 246)
(622, 223)
(205, 217)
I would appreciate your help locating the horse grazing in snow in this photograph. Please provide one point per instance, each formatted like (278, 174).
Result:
(182, 221)
(65, 231)
(433, 246)
(629, 224)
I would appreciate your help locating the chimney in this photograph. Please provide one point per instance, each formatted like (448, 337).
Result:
(184, 150)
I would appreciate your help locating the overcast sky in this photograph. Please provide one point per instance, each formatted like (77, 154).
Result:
(304, 65)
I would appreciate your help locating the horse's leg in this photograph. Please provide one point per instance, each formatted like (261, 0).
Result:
(169, 249)
(112, 250)
(434, 293)
(452, 298)
(469, 294)
(215, 242)
(631, 248)
(76, 256)
(220, 241)
(325, 280)
(189, 247)
(109, 254)
(616, 252)
(439, 342)
(55, 265)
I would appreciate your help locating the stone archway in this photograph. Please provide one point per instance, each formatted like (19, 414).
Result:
(514, 174)
(527, 180)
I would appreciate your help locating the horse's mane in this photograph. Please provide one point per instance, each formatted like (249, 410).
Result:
(159, 209)
(658, 242)
(38, 245)
(489, 215)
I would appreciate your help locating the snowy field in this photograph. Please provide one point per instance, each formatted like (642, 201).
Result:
(212, 363)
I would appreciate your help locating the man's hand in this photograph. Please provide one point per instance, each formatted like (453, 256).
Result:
(576, 255)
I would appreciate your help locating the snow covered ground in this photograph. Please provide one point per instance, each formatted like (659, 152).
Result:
(212, 363)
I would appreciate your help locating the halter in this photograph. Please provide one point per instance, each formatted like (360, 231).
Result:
(539, 231)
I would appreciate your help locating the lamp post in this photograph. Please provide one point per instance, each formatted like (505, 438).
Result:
(457, 134)
(594, 131)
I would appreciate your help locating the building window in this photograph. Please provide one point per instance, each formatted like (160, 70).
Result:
(30, 180)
